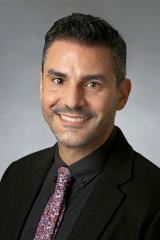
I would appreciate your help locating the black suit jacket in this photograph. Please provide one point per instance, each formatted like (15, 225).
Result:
(124, 204)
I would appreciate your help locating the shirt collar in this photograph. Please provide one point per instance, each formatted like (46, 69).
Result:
(87, 168)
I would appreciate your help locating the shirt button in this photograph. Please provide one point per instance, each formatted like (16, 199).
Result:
(83, 180)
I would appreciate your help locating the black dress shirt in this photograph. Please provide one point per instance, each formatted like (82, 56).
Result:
(85, 173)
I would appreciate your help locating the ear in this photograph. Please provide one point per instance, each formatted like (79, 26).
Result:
(123, 91)
(40, 84)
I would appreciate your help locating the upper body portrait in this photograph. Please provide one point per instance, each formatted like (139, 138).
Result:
(91, 185)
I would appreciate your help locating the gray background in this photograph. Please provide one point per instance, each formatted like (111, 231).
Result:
(23, 24)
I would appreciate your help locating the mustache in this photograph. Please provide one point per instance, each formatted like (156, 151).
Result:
(79, 110)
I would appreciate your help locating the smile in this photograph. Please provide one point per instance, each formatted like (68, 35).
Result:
(72, 119)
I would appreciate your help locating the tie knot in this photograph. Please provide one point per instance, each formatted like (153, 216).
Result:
(64, 175)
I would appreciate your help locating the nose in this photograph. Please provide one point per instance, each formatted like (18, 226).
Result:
(74, 97)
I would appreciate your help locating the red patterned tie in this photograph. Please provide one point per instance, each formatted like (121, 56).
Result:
(54, 210)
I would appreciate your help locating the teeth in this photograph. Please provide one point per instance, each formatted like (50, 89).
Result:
(72, 119)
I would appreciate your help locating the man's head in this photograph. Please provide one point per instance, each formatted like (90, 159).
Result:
(91, 31)
(83, 80)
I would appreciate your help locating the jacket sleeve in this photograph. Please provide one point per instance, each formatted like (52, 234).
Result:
(153, 232)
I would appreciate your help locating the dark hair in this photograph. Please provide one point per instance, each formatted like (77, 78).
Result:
(89, 30)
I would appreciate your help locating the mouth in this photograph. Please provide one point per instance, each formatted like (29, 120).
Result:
(72, 120)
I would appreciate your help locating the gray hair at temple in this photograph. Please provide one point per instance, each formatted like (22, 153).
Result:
(91, 31)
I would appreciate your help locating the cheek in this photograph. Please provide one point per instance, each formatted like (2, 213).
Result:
(102, 101)
(105, 105)
(48, 99)
(98, 106)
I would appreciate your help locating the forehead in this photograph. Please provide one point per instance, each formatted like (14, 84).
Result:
(67, 52)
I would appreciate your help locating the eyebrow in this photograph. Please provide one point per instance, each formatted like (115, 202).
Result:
(55, 73)
(85, 78)
(90, 77)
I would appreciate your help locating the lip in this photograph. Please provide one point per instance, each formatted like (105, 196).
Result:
(72, 120)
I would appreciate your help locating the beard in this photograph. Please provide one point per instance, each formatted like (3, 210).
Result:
(75, 138)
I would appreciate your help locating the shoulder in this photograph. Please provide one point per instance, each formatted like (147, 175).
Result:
(140, 168)
(138, 176)
(145, 169)
(146, 177)
(29, 163)
(144, 183)
(35, 157)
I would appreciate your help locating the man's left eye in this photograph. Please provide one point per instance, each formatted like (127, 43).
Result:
(92, 84)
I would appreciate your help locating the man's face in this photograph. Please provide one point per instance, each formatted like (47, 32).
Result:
(79, 96)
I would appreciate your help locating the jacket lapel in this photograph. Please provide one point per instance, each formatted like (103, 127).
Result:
(106, 196)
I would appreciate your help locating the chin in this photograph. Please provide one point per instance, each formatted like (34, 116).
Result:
(71, 141)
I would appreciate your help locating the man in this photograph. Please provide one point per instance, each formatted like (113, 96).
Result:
(112, 192)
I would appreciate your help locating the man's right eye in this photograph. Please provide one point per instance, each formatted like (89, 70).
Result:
(58, 81)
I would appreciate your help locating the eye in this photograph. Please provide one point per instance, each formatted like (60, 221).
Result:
(92, 84)
(58, 81)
